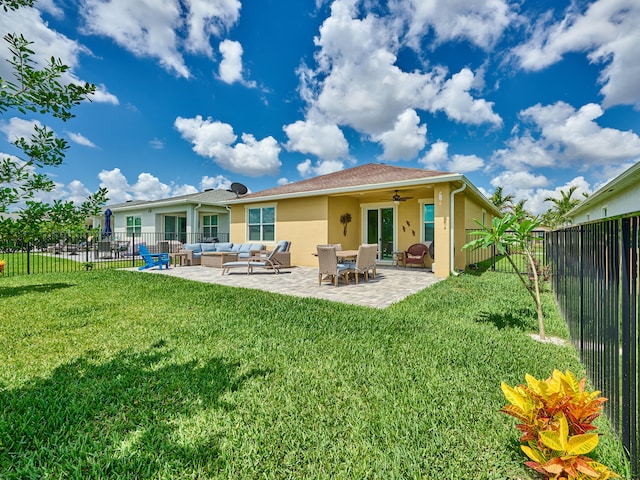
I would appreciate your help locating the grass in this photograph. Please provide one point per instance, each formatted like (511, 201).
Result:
(109, 374)
(16, 263)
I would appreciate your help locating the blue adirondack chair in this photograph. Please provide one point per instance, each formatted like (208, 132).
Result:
(153, 259)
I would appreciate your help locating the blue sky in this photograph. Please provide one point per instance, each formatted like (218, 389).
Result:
(531, 95)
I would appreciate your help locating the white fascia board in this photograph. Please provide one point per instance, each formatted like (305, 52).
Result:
(354, 189)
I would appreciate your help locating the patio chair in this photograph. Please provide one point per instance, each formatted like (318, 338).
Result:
(104, 249)
(282, 258)
(328, 266)
(153, 259)
(253, 262)
(415, 254)
(365, 262)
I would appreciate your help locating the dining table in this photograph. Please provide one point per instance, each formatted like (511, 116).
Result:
(346, 254)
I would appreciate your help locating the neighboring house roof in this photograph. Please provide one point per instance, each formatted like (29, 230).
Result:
(370, 176)
(621, 192)
(208, 197)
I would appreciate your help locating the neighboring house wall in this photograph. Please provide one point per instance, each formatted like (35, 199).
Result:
(625, 202)
(619, 197)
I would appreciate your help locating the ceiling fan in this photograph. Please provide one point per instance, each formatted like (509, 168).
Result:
(398, 198)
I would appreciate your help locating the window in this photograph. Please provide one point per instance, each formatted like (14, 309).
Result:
(428, 216)
(262, 224)
(134, 226)
(209, 226)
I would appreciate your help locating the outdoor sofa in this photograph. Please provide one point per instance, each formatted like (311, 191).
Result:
(194, 251)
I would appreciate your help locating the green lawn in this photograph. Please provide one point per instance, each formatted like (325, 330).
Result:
(110, 374)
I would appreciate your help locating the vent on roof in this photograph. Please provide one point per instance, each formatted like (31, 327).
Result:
(207, 189)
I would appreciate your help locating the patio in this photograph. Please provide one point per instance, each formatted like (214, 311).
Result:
(391, 284)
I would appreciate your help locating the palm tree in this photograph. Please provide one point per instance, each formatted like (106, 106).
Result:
(557, 215)
(503, 202)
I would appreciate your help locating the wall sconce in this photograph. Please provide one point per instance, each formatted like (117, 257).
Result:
(440, 197)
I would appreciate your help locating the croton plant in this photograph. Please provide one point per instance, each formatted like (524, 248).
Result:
(556, 420)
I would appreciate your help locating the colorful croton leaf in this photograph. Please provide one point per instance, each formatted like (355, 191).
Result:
(555, 417)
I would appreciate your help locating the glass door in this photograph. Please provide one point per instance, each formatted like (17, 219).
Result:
(380, 229)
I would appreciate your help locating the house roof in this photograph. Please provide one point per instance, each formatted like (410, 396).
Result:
(611, 189)
(368, 176)
(208, 197)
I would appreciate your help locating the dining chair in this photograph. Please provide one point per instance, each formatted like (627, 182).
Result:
(365, 262)
(328, 265)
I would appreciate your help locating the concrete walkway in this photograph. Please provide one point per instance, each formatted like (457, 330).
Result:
(391, 284)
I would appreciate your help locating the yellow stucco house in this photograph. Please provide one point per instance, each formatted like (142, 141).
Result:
(373, 203)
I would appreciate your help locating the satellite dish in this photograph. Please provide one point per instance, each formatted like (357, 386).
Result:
(238, 189)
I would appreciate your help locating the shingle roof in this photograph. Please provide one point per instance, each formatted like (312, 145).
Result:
(368, 174)
(208, 196)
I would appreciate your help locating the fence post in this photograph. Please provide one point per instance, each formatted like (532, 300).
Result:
(28, 258)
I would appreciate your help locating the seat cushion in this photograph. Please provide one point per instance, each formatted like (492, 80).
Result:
(224, 247)
(208, 247)
(194, 247)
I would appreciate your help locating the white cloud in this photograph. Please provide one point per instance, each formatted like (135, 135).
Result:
(307, 169)
(206, 19)
(215, 140)
(215, 182)
(607, 31)
(325, 141)
(148, 28)
(357, 82)
(580, 137)
(231, 63)
(17, 128)
(116, 184)
(482, 22)
(156, 144)
(47, 43)
(455, 100)
(512, 182)
(178, 190)
(80, 139)
(436, 157)
(405, 140)
(465, 163)
(533, 189)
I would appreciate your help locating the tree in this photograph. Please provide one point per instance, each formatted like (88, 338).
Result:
(509, 234)
(557, 216)
(37, 90)
(503, 202)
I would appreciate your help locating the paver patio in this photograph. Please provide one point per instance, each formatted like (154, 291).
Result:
(391, 284)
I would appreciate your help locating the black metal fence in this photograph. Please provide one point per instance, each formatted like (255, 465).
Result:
(595, 280)
(489, 259)
(64, 252)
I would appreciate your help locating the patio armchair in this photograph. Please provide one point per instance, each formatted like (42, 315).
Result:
(365, 262)
(153, 259)
(415, 255)
(328, 266)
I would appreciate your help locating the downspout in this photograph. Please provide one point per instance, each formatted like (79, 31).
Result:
(452, 250)
(194, 221)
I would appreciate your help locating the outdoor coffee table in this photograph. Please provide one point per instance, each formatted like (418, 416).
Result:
(216, 259)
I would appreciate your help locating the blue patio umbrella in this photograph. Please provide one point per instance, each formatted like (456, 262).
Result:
(106, 231)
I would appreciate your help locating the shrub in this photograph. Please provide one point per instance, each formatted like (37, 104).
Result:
(557, 428)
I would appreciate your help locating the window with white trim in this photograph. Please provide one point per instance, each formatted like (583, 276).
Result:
(210, 226)
(428, 222)
(134, 226)
(262, 224)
